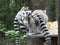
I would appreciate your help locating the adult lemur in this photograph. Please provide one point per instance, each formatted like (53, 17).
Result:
(40, 17)
(21, 19)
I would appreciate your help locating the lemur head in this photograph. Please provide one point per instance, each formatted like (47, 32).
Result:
(23, 13)
(40, 13)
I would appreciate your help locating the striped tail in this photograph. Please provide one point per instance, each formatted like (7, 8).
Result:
(19, 24)
(46, 32)
(16, 28)
(16, 25)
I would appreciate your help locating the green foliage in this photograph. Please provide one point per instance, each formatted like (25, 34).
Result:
(52, 10)
(11, 33)
(23, 37)
(2, 26)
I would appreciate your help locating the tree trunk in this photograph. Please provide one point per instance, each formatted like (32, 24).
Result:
(39, 4)
(58, 17)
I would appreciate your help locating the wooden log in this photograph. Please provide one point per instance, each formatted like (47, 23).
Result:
(39, 40)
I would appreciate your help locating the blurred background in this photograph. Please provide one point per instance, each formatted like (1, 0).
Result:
(9, 9)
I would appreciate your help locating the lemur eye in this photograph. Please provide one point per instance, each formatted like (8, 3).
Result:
(23, 13)
(26, 12)
(37, 15)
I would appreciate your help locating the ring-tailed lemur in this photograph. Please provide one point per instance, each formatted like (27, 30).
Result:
(21, 20)
(41, 18)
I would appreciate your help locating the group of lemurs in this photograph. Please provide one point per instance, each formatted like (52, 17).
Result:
(32, 22)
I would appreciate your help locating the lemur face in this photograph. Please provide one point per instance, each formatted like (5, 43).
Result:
(25, 14)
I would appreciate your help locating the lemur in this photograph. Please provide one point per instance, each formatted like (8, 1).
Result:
(21, 21)
(40, 17)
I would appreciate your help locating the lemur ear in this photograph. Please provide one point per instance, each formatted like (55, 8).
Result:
(25, 8)
(44, 11)
(22, 8)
